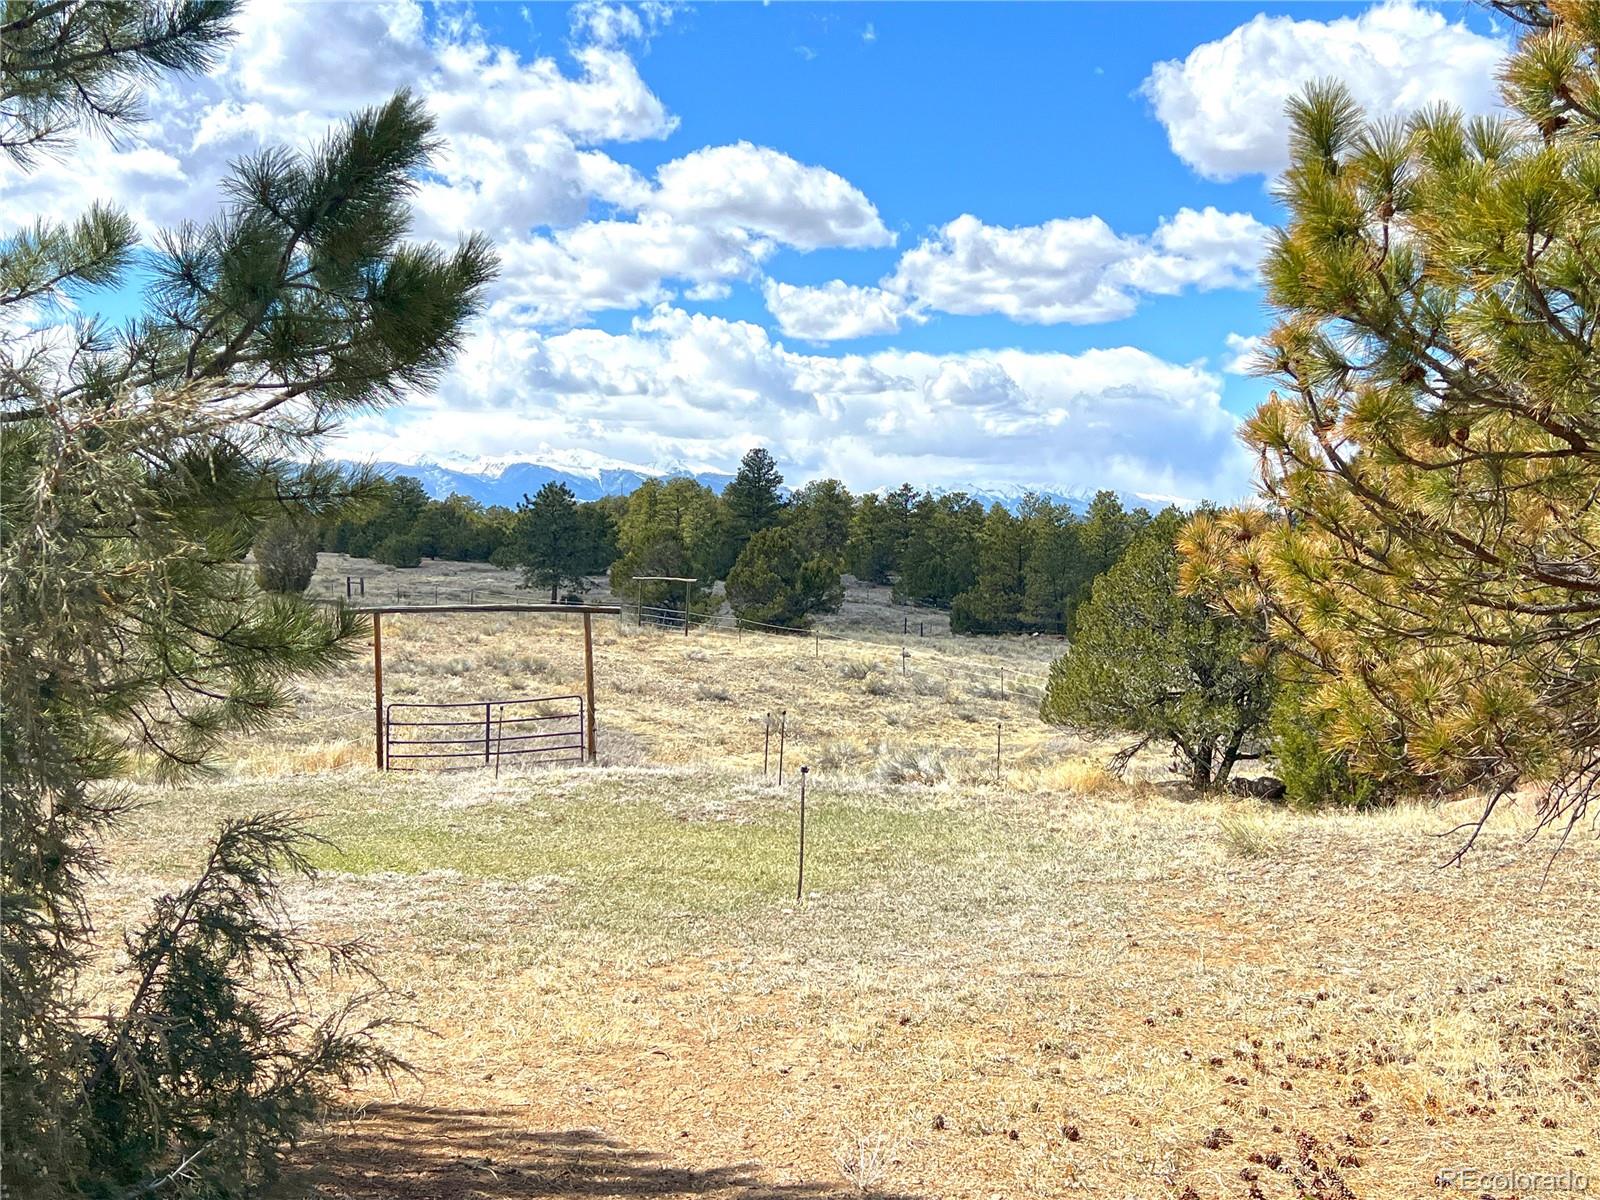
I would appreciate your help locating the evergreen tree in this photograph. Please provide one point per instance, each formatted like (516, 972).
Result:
(872, 553)
(1162, 666)
(1430, 453)
(66, 66)
(1055, 576)
(994, 603)
(549, 540)
(135, 467)
(777, 582)
(754, 497)
(820, 513)
(597, 534)
(940, 555)
(1106, 531)
(677, 528)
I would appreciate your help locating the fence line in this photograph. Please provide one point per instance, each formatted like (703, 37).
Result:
(373, 591)
(672, 618)
(675, 619)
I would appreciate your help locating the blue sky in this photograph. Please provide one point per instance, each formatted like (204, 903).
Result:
(1018, 113)
(966, 245)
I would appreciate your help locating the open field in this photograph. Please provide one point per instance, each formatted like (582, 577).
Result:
(1052, 984)
(668, 699)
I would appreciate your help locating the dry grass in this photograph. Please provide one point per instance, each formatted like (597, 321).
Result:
(1059, 984)
(662, 697)
(1248, 834)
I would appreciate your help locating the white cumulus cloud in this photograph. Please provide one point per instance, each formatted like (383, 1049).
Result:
(833, 311)
(694, 387)
(1223, 105)
(767, 192)
(1242, 352)
(1077, 269)
(522, 154)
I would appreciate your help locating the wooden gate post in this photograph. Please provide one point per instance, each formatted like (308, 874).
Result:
(588, 682)
(377, 688)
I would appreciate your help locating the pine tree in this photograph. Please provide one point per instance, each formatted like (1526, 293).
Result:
(755, 496)
(677, 528)
(549, 540)
(872, 550)
(820, 513)
(66, 66)
(1432, 452)
(286, 555)
(995, 602)
(1054, 579)
(135, 467)
(939, 559)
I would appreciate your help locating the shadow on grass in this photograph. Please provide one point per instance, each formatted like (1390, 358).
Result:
(414, 1153)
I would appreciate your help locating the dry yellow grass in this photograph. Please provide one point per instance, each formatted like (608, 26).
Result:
(666, 698)
(1052, 985)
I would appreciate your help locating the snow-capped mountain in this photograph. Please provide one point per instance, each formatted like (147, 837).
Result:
(505, 480)
(1011, 496)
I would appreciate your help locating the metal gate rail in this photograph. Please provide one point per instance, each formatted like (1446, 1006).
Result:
(497, 732)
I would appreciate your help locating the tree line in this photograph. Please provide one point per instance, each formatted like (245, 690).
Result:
(782, 556)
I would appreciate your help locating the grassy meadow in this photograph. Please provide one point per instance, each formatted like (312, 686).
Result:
(1037, 983)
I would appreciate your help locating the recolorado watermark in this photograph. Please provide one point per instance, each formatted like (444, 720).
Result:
(1487, 1181)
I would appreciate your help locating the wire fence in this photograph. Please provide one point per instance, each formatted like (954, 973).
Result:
(1003, 678)
(995, 673)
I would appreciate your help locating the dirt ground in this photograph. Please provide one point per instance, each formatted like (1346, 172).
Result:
(1046, 984)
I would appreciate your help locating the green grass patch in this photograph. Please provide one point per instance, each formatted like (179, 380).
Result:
(626, 859)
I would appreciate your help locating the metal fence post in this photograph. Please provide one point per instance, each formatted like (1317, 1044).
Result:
(499, 738)
(783, 730)
(800, 879)
(380, 741)
(486, 709)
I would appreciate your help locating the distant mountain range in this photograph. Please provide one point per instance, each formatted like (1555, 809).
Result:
(505, 481)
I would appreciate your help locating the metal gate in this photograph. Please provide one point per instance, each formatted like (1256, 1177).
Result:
(477, 733)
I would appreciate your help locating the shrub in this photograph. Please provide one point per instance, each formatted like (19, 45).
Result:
(1247, 835)
(775, 583)
(877, 685)
(1312, 774)
(286, 555)
(912, 766)
(834, 756)
(398, 550)
(1152, 662)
